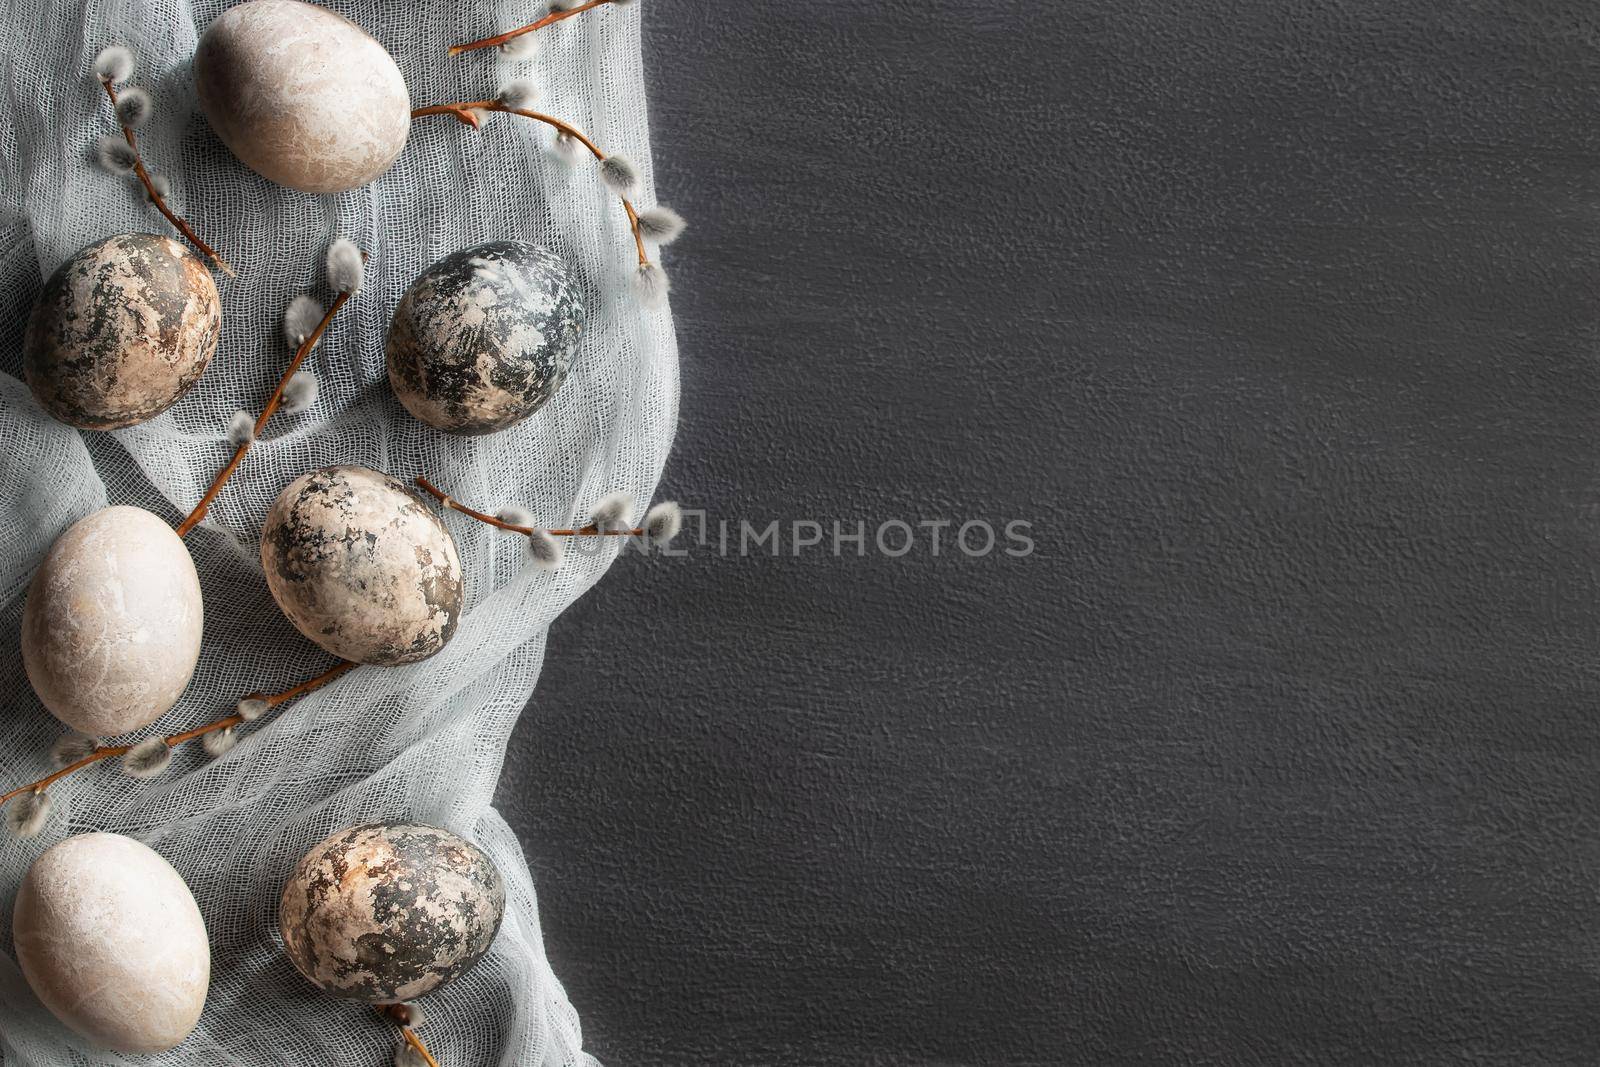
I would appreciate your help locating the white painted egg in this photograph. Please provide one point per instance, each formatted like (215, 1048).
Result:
(112, 942)
(111, 629)
(302, 95)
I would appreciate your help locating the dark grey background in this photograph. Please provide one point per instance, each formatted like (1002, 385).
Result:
(1279, 321)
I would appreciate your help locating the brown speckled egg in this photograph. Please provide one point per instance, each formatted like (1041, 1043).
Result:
(111, 630)
(484, 337)
(302, 95)
(109, 937)
(121, 331)
(362, 567)
(385, 913)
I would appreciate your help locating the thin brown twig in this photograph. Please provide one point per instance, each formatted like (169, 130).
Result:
(199, 513)
(155, 196)
(499, 39)
(466, 112)
(105, 752)
(455, 505)
(416, 1042)
(402, 1017)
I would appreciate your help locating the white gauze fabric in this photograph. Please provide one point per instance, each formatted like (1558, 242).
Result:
(423, 742)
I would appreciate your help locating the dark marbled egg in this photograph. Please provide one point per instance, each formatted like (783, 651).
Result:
(362, 567)
(388, 912)
(484, 337)
(121, 331)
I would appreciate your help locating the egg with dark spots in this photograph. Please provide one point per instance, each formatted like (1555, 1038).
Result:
(121, 331)
(362, 567)
(483, 338)
(388, 912)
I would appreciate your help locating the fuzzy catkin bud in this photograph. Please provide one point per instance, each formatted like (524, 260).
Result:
(114, 154)
(516, 516)
(545, 550)
(519, 94)
(520, 48)
(70, 748)
(619, 174)
(651, 284)
(299, 392)
(147, 759)
(27, 814)
(114, 64)
(663, 522)
(661, 224)
(160, 186)
(241, 429)
(252, 708)
(219, 742)
(345, 266)
(569, 149)
(611, 513)
(300, 318)
(134, 107)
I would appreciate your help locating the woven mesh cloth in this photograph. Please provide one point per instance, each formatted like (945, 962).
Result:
(423, 742)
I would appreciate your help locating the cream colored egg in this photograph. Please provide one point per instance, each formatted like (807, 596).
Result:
(112, 942)
(303, 96)
(111, 630)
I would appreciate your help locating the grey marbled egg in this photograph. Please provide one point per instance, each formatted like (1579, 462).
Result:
(121, 331)
(362, 567)
(302, 95)
(388, 912)
(484, 337)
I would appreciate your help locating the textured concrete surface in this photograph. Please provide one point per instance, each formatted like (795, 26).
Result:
(1278, 320)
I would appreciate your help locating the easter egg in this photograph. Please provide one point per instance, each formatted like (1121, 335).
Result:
(112, 942)
(484, 337)
(111, 629)
(301, 95)
(121, 331)
(387, 912)
(362, 567)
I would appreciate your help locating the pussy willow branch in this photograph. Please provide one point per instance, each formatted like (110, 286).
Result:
(199, 513)
(400, 1014)
(416, 1042)
(105, 752)
(455, 505)
(155, 196)
(500, 39)
(466, 112)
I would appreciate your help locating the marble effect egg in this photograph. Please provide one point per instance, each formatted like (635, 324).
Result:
(362, 567)
(111, 630)
(121, 331)
(303, 96)
(112, 942)
(484, 337)
(384, 913)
